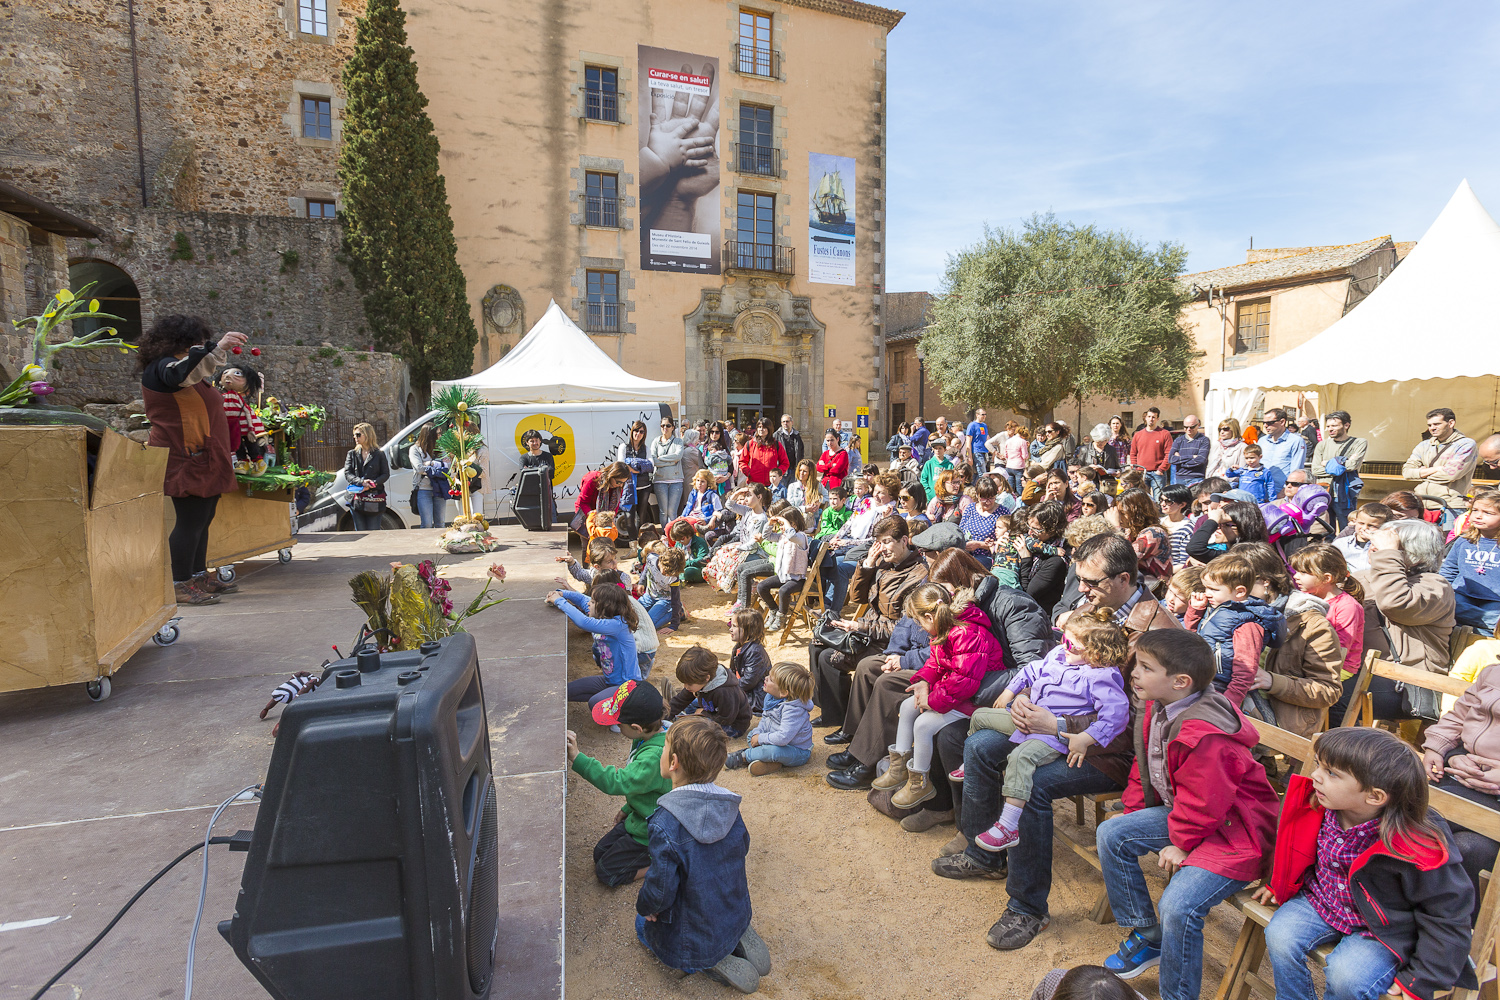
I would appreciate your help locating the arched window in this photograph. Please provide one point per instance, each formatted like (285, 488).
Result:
(116, 293)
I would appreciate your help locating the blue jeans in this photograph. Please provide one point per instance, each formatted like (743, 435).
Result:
(839, 588)
(1030, 879)
(1360, 968)
(365, 522)
(592, 689)
(1017, 480)
(1482, 615)
(1154, 482)
(646, 661)
(668, 499)
(431, 507)
(1339, 513)
(659, 608)
(789, 756)
(1187, 898)
(981, 462)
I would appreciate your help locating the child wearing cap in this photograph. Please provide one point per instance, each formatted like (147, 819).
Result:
(621, 856)
(693, 910)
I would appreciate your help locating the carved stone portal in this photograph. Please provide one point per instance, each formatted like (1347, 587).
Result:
(754, 317)
(504, 324)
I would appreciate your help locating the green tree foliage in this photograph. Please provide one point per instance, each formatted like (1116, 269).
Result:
(1026, 320)
(398, 235)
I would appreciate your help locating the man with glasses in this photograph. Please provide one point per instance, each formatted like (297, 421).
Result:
(1443, 465)
(790, 440)
(1105, 568)
(1335, 465)
(976, 438)
(1282, 448)
(1489, 452)
(1189, 458)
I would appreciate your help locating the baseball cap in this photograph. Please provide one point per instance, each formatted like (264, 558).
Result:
(634, 703)
(1242, 495)
(945, 535)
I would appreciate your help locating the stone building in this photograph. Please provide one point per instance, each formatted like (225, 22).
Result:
(199, 143)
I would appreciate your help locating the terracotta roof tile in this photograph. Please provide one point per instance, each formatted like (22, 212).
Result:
(1299, 261)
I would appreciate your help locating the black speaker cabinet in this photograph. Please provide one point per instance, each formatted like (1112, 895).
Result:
(373, 870)
(531, 506)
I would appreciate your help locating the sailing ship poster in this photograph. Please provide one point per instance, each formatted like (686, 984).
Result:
(830, 219)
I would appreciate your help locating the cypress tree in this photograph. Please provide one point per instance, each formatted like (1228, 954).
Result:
(398, 234)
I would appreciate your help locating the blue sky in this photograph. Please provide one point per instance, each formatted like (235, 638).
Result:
(1204, 123)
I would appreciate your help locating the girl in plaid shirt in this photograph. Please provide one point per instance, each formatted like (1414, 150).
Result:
(1362, 861)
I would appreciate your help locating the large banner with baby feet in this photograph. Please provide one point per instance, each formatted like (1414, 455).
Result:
(679, 167)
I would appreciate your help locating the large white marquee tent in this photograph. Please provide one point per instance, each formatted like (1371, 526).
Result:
(1428, 336)
(556, 362)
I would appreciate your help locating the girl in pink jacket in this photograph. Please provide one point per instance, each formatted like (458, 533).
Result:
(963, 651)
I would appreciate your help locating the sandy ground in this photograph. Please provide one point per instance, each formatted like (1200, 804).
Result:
(842, 895)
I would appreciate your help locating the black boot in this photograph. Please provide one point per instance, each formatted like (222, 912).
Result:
(840, 761)
(852, 779)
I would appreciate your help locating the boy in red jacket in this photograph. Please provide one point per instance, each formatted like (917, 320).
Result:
(1197, 797)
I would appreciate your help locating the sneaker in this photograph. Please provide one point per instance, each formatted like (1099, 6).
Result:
(736, 972)
(736, 760)
(753, 950)
(957, 774)
(997, 838)
(1015, 930)
(735, 609)
(1134, 957)
(210, 583)
(773, 622)
(615, 728)
(961, 866)
(186, 593)
(760, 767)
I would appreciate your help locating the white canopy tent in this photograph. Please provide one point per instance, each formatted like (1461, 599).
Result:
(1428, 336)
(556, 362)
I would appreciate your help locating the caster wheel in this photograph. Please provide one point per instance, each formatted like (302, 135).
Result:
(226, 574)
(97, 690)
(166, 636)
(284, 555)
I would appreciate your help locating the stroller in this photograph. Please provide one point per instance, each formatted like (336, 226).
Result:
(1289, 522)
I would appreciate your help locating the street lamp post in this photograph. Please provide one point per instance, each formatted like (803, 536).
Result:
(921, 380)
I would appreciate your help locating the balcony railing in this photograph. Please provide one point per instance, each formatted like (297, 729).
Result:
(769, 257)
(762, 160)
(601, 105)
(756, 61)
(603, 212)
(601, 317)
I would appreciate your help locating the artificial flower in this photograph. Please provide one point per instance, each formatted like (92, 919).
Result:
(497, 572)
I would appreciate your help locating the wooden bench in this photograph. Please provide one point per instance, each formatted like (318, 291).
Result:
(1241, 973)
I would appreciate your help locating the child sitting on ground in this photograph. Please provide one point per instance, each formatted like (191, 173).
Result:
(963, 651)
(836, 514)
(1185, 585)
(635, 710)
(1198, 798)
(783, 737)
(1082, 676)
(717, 692)
(1265, 483)
(606, 612)
(749, 660)
(789, 530)
(647, 642)
(600, 555)
(1361, 860)
(693, 909)
(1236, 625)
(663, 578)
(693, 547)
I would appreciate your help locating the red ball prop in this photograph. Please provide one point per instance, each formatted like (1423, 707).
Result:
(255, 352)
(236, 350)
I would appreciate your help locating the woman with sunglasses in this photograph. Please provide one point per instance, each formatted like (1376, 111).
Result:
(718, 457)
(912, 504)
(666, 457)
(1227, 451)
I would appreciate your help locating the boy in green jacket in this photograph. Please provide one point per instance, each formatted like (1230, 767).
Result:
(835, 515)
(621, 856)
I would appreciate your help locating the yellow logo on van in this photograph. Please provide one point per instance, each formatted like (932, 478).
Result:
(557, 439)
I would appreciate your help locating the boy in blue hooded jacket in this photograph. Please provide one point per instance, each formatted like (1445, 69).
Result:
(693, 911)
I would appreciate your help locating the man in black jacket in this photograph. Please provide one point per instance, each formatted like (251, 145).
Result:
(791, 441)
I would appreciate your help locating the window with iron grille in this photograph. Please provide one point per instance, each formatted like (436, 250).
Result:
(318, 209)
(601, 94)
(601, 200)
(756, 231)
(755, 44)
(756, 153)
(312, 17)
(1253, 335)
(602, 310)
(317, 118)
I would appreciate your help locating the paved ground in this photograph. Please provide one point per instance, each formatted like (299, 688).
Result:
(94, 798)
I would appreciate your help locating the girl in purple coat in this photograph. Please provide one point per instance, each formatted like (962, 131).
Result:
(963, 651)
(1083, 676)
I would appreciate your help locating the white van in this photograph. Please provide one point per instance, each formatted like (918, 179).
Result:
(580, 437)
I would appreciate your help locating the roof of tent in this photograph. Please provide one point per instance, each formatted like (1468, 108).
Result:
(557, 363)
(1433, 318)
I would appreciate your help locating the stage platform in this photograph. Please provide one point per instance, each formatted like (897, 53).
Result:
(96, 797)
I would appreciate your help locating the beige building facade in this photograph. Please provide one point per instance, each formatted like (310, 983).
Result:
(541, 116)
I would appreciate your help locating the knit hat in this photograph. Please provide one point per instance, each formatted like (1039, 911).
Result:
(634, 703)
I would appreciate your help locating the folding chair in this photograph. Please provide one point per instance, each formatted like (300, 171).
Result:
(809, 599)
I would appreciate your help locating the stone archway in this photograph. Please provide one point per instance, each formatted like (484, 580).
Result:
(754, 317)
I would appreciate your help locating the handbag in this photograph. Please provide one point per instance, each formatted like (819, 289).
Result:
(371, 503)
(849, 642)
(414, 501)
